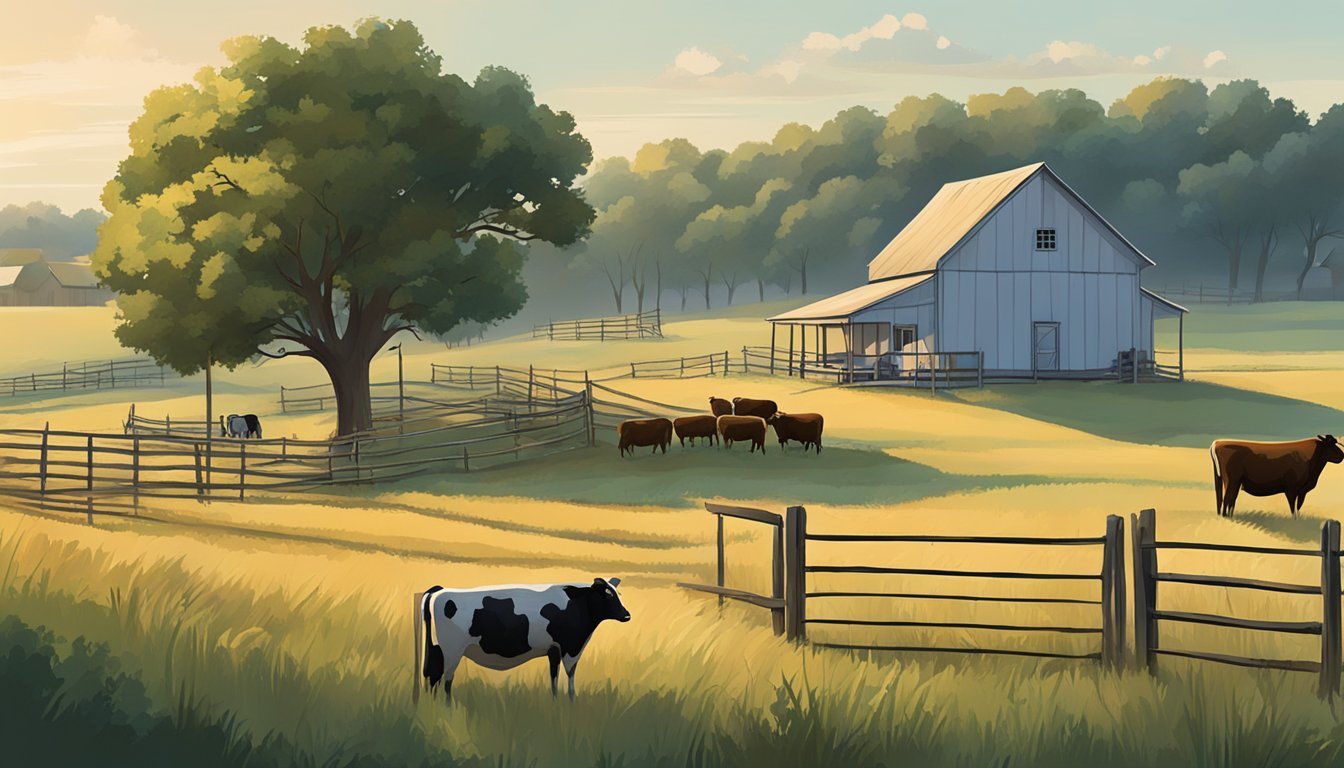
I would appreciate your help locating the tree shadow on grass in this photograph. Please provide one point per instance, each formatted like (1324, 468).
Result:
(1187, 415)
(684, 477)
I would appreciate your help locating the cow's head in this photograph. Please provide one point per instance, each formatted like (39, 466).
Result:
(604, 602)
(1328, 445)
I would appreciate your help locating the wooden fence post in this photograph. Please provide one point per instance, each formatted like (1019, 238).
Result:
(89, 509)
(795, 576)
(590, 412)
(1112, 595)
(725, 362)
(1143, 533)
(135, 473)
(499, 381)
(719, 550)
(632, 370)
(417, 617)
(42, 461)
(466, 462)
(200, 489)
(283, 409)
(777, 578)
(1330, 624)
(89, 458)
(242, 468)
(530, 383)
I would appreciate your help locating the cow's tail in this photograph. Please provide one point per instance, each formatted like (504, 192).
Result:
(1217, 477)
(432, 667)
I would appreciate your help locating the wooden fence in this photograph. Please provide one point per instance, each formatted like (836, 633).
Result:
(1148, 615)
(775, 600)
(642, 325)
(57, 469)
(902, 369)
(103, 374)
(791, 567)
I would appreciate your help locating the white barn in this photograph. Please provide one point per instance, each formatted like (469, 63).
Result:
(1012, 273)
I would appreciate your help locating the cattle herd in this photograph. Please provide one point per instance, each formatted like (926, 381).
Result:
(742, 420)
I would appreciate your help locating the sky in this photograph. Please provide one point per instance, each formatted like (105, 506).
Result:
(73, 73)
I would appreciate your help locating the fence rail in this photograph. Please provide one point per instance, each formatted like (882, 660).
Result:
(790, 602)
(1148, 616)
(908, 369)
(642, 325)
(102, 374)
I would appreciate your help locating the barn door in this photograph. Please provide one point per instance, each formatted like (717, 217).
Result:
(1045, 346)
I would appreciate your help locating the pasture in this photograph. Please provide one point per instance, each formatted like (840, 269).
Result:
(293, 613)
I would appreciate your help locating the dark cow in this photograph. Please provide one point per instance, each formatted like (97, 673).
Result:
(234, 425)
(502, 627)
(745, 406)
(751, 428)
(720, 407)
(1265, 469)
(803, 427)
(695, 426)
(644, 432)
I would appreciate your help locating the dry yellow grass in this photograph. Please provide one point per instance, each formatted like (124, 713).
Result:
(974, 461)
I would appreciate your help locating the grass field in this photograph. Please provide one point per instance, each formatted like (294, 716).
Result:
(293, 615)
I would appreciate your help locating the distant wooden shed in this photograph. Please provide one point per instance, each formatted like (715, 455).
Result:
(41, 283)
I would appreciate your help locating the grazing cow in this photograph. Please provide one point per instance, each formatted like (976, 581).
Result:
(745, 406)
(253, 425)
(234, 425)
(695, 426)
(502, 627)
(720, 407)
(742, 428)
(644, 432)
(1264, 469)
(803, 427)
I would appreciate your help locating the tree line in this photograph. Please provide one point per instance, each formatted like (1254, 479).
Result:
(1229, 183)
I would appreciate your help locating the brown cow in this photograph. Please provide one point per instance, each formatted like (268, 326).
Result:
(644, 432)
(1264, 469)
(745, 406)
(742, 428)
(695, 426)
(803, 427)
(720, 407)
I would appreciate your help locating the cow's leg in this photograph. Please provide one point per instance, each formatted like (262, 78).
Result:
(1230, 498)
(452, 656)
(1301, 497)
(554, 656)
(1292, 503)
(571, 663)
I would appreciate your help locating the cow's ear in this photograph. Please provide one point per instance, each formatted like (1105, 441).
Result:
(599, 582)
(1321, 438)
(614, 581)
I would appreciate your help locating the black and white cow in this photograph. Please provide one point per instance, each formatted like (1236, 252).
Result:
(502, 627)
(233, 425)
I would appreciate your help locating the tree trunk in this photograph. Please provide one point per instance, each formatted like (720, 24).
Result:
(1233, 270)
(760, 289)
(683, 290)
(1306, 267)
(706, 274)
(1268, 244)
(802, 271)
(354, 410)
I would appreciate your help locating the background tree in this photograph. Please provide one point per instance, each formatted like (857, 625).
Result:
(326, 197)
(38, 225)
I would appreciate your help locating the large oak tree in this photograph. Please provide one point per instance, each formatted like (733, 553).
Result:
(316, 200)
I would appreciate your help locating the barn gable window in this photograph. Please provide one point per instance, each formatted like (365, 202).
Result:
(1045, 239)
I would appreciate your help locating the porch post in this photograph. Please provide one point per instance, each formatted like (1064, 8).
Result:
(849, 352)
(773, 328)
(1180, 344)
(802, 359)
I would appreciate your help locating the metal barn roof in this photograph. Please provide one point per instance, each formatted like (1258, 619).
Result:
(956, 210)
(8, 275)
(1164, 303)
(842, 305)
(73, 275)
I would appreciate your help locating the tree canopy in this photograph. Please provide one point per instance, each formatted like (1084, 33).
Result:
(316, 200)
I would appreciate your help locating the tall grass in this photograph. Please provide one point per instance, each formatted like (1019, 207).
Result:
(332, 675)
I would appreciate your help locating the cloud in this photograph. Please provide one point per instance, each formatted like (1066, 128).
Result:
(884, 28)
(1213, 58)
(697, 62)
(942, 43)
(109, 38)
(915, 21)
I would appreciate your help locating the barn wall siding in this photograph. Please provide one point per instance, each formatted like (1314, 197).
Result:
(995, 285)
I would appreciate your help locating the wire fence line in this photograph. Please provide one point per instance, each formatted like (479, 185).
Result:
(89, 374)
